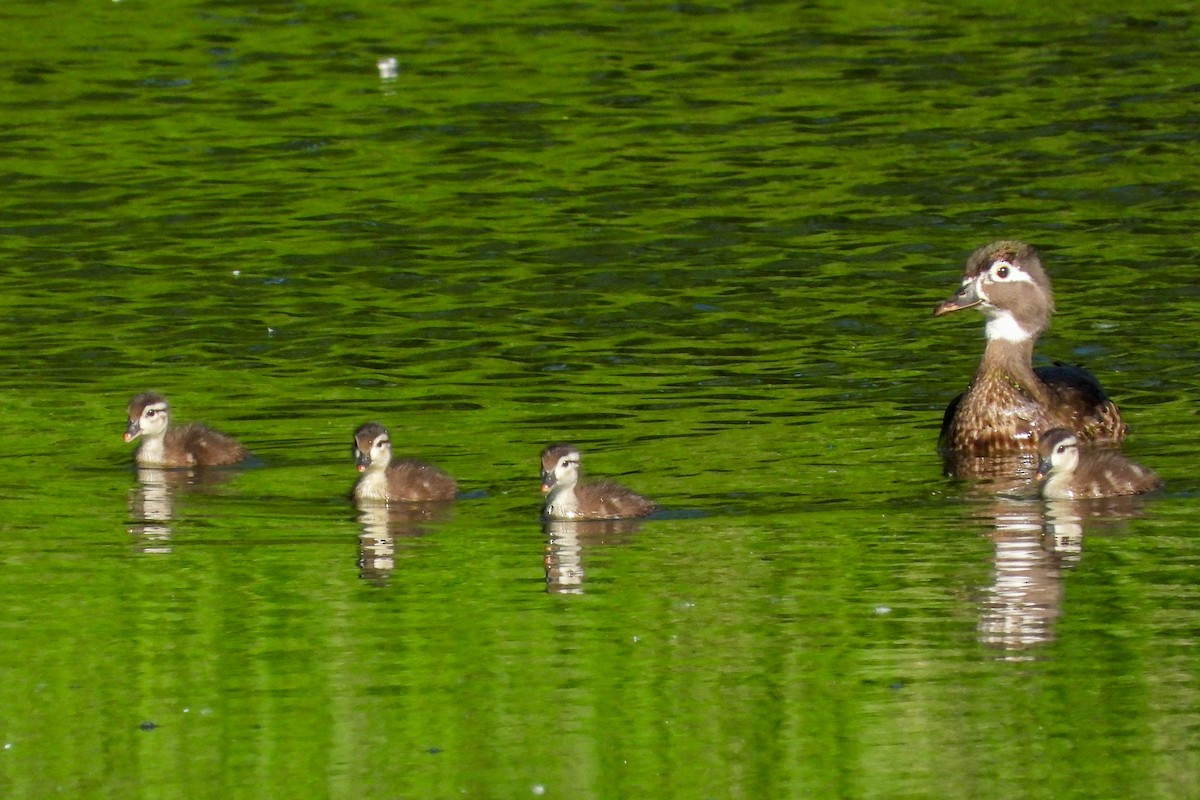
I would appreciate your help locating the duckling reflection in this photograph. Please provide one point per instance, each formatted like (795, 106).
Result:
(1067, 520)
(383, 525)
(151, 508)
(565, 542)
(152, 501)
(1062, 532)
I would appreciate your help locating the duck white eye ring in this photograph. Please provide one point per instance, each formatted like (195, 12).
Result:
(1002, 270)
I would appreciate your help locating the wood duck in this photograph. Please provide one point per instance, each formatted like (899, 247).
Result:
(567, 499)
(191, 445)
(1070, 471)
(1009, 402)
(404, 480)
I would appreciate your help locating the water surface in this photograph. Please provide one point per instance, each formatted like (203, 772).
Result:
(704, 243)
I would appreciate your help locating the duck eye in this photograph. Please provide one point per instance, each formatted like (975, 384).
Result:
(1002, 273)
(1062, 448)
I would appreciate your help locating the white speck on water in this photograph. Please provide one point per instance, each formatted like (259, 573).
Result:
(883, 609)
(539, 789)
(388, 67)
(237, 273)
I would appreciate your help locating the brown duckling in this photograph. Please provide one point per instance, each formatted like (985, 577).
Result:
(1009, 402)
(191, 445)
(404, 480)
(1070, 471)
(567, 499)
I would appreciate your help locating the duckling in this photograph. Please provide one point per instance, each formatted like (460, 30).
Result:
(1068, 471)
(405, 479)
(191, 445)
(1009, 402)
(566, 499)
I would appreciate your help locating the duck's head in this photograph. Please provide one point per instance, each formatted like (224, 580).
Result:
(1058, 451)
(148, 414)
(560, 466)
(1006, 281)
(372, 447)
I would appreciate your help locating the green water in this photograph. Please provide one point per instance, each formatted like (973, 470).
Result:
(703, 242)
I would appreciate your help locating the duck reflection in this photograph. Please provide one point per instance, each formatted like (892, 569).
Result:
(565, 543)
(1035, 542)
(152, 501)
(384, 523)
(151, 509)
(1024, 601)
(1011, 473)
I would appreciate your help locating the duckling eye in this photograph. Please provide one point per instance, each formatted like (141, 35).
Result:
(1002, 273)
(1062, 448)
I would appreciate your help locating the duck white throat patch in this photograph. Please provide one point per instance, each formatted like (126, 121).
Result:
(1003, 326)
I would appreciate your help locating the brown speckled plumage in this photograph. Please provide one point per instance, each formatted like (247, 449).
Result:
(568, 499)
(1008, 402)
(1072, 470)
(191, 445)
(401, 480)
